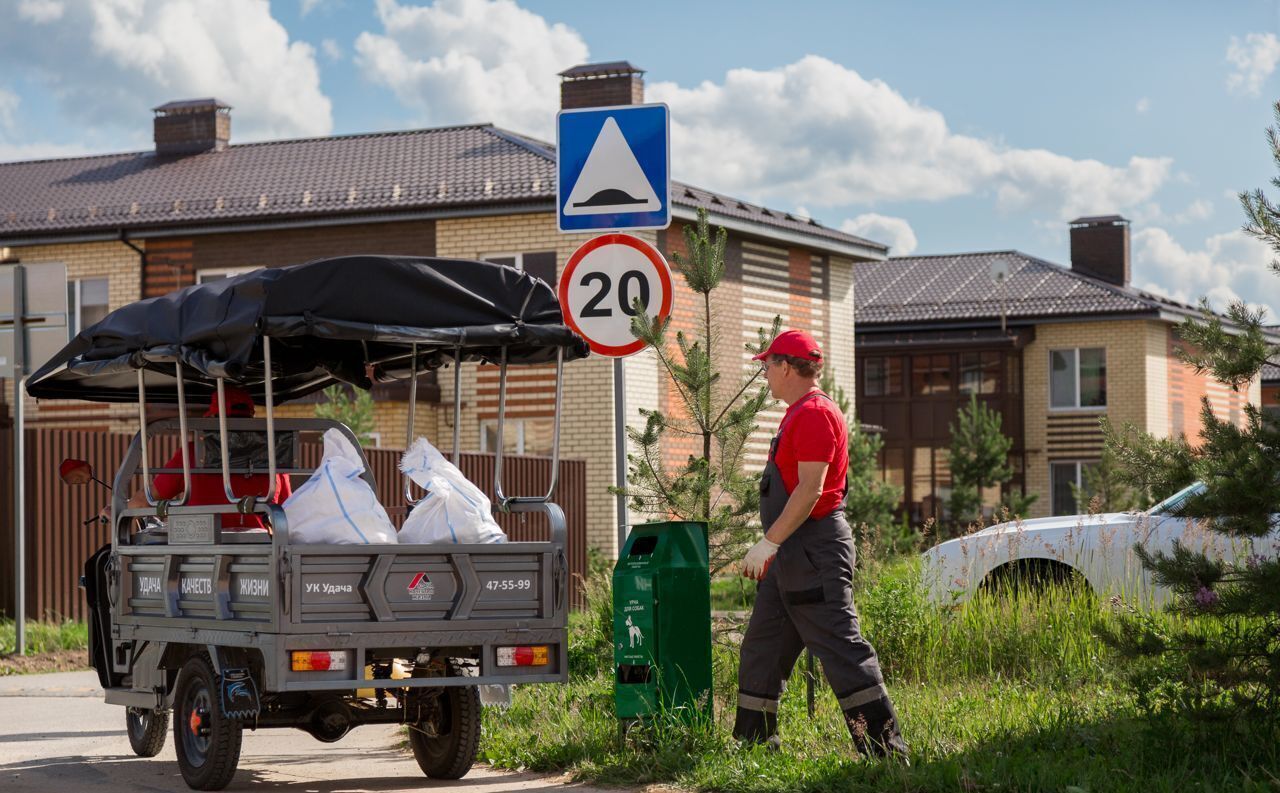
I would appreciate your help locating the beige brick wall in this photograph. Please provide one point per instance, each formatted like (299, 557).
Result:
(1155, 336)
(119, 264)
(1127, 346)
(840, 326)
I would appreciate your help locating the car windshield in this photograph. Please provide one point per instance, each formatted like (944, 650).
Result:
(1172, 505)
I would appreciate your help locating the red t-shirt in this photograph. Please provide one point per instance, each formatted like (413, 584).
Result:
(813, 431)
(207, 489)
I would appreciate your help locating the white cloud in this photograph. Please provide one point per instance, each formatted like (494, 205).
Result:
(1200, 209)
(8, 109)
(894, 232)
(311, 5)
(1254, 59)
(462, 61)
(40, 11)
(1144, 104)
(819, 133)
(1231, 266)
(116, 59)
(331, 49)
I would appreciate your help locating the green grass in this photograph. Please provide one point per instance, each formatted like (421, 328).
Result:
(732, 593)
(1001, 694)
(45, 637)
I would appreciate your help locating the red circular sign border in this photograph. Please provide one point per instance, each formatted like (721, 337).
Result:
(651, 253)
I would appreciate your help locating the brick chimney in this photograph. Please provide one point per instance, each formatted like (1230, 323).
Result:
(1100, 248)
(601, 85)
(192, 126)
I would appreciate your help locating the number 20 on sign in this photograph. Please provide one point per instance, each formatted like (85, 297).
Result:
(600, 285)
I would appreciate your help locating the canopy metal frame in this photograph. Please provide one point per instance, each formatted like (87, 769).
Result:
(504, 502)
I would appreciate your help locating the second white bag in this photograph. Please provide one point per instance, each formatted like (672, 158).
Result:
(336, 505)
(453, 510)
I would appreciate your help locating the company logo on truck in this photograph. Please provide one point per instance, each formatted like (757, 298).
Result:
(255, 587)
(197, 586)
(330, 589)
(421, 588)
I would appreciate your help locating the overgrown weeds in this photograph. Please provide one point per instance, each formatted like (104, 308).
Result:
(1009, 691)
(45, 637)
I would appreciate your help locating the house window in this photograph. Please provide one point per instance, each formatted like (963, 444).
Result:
(882, 377)
(931, 375)
(87, 302)
(979, 372)
(1065, 480)
(541, 264)
(1078, 378)
(219, 273)
(520, 436)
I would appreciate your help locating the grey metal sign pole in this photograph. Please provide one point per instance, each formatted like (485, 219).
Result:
(19, 479)
(620, 446)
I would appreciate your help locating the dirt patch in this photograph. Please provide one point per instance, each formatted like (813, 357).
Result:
(59, 661)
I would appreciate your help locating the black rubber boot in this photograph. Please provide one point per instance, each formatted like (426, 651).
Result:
(756, 726)
(874, 729)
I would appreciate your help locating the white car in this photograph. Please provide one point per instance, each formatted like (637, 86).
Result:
(1098, 548)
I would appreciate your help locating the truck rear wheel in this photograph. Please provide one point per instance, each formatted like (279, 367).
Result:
(146, 730)
(207, 743)
(446, 743)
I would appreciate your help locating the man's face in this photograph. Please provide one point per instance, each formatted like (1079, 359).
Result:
(775, 374)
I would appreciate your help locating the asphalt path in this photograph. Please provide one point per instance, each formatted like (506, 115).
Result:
(56, 734)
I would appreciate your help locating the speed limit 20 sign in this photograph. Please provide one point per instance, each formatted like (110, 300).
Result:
(600, 285)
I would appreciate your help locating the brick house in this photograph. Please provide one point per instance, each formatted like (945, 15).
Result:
(197, 207)
(1271, 388)
(1052, 348)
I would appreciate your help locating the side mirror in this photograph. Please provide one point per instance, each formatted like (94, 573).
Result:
(75, 472)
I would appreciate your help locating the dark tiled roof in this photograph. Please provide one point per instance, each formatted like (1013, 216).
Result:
(958, 288)
(382, 172)
(1271, 373)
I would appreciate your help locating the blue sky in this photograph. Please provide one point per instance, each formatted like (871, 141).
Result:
(935, 127)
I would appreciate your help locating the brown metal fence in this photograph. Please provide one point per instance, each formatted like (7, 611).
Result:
(57, 542)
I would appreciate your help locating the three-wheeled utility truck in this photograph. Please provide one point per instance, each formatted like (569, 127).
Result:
(228, 630)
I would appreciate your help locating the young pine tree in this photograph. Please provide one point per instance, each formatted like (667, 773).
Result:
(870, 500)
(711, 485)
(1236, 665)
(355, 413)
(980, 460)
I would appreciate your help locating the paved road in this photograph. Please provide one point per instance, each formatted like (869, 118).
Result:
(56, 734)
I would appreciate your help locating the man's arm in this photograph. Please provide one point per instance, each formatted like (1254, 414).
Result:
(800, 502)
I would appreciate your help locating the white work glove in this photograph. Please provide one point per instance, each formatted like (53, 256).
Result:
(756, 563)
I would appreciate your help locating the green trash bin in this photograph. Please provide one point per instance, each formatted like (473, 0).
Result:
(662, 621)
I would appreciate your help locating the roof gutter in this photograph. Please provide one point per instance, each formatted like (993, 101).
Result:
(850, 249)
(222, 227)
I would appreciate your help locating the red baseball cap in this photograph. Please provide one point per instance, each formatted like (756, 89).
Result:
(239, 403)
(794, 343)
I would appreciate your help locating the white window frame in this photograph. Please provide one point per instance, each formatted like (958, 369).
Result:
(223, 271)
(518, 258)
(516, 425)
(1077, 408)
(77, 300)
(1079, 464)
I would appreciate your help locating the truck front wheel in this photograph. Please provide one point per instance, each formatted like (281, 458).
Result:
(207, 743)
(146, 730)
(445, 743)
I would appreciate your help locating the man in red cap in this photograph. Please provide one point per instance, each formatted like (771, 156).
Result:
(207, 489)
(805, 563)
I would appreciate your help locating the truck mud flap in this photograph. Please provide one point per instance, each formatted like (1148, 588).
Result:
(238, 694)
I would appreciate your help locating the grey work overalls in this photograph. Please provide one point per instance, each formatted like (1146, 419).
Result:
(806, 600)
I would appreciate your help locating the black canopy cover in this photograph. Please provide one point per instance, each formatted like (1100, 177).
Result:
(328, 320)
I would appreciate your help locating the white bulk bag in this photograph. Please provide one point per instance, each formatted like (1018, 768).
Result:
(335, 505)
(453, 510)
